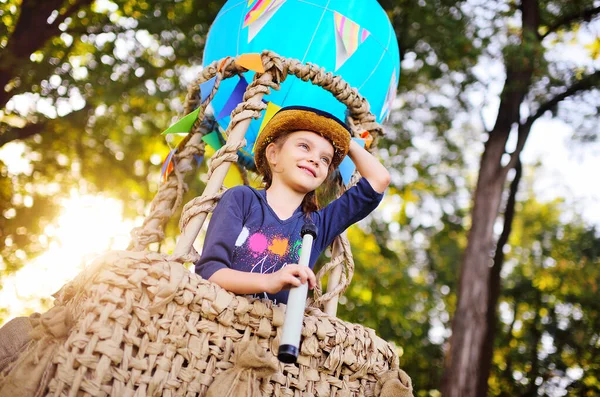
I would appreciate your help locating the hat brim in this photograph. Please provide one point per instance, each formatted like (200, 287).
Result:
(297, 118)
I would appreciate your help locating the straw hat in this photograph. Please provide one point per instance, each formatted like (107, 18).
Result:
(303, 118)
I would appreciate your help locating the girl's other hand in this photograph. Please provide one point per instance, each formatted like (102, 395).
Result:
(291, 275)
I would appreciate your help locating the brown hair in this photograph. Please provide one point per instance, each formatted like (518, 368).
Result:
(310, 202)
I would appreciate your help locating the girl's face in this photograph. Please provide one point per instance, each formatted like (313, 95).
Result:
(302, 162)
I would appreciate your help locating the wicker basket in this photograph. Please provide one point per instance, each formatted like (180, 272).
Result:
(138, 323)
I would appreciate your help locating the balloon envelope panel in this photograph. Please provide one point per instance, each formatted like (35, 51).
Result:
(351, 38)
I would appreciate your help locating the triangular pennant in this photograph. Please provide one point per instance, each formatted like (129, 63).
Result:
(251, 62)
(250, 3)
(206, 88)
(235, 98)
(349, 35)
(347, 167)
(233, 177)
(212, 140)
(389, 98)
(183, 125)
(259, 15)
(269, 113)
(198, 159)
(167, 166)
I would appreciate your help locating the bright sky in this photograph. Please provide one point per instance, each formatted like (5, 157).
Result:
(568, 168)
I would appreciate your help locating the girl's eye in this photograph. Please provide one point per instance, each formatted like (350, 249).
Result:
(325, 160)
(304, 146)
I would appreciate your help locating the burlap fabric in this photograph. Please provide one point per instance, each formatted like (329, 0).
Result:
(14, 337)
(136, 323)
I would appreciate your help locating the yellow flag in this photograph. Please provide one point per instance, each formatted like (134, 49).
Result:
(269, 113)
(233, 177)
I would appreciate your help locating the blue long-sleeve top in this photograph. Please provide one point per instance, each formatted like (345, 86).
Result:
(245, 233)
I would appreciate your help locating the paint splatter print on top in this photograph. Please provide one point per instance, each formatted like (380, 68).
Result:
(267, 253)
(245, 233)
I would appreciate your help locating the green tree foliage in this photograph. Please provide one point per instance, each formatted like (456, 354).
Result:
(548, 337)
(88, 88)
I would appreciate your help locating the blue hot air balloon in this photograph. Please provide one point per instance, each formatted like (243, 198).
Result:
(351, 38)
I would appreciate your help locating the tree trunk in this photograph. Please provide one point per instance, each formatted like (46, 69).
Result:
(494, 285)
(470, 324)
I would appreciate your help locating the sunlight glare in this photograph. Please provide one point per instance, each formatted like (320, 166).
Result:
(87, 226)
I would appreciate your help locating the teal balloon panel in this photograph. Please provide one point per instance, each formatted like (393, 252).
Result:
(350, 38)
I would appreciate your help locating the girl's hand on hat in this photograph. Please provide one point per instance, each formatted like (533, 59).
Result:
(289, 276)
(369, 167)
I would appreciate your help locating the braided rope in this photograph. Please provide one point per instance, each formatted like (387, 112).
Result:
(227, 153)
(345, 261)
(170, 194)
(196, 206)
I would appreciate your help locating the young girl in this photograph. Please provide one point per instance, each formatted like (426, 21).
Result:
(253, 239)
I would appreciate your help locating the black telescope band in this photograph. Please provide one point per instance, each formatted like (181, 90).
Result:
(309, 228)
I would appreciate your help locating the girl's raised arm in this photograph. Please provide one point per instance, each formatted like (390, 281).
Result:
(369, 167)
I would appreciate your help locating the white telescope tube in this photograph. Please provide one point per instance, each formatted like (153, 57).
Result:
(294, 313)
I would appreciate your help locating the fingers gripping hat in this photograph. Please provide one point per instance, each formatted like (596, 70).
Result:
(303, 118)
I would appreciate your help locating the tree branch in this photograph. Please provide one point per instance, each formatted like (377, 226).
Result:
(581, 85)
(21, 134)
(524, 128)
(583, 15)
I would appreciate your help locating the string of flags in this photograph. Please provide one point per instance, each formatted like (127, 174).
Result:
(349, 34)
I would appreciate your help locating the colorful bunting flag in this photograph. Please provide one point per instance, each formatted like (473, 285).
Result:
(347, 167)
(183, 125)
(212, 140)
(206, 88)
(251, 62)
(269, 113)
(236, 97)
(349, 36)
(233, 177)
(167, 166)
(259, 15)
(389, 99)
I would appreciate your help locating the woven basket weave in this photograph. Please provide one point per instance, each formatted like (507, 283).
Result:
(144, 325)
